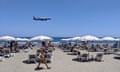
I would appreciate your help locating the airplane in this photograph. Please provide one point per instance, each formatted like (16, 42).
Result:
(41, 18)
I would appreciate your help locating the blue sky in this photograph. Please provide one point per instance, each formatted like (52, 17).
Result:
(69, 17)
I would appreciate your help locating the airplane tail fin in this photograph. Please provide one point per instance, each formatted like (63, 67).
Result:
(34, 18)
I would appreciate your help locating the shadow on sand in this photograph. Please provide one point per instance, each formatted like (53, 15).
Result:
(71, 53)
(41, 68)
(27, 62)
(117, 58)
(32, 62)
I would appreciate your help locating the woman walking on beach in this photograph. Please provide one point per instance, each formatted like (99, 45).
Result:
(42, 56)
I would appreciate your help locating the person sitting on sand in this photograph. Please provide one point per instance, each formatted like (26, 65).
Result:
(42, 56)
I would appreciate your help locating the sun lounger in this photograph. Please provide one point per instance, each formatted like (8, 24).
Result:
(78, 56)
(1, 58)
(26, 50)
(7, 53)
(67, 50)
(99, 50)
(32, 58)
(109, 51)
(117, 56)
(99, 57)
(84, 57)
(1, 53)
(48, 56)
(12, 54)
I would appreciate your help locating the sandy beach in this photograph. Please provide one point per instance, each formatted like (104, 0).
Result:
(61, 63)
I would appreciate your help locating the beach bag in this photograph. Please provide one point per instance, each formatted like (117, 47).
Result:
(41, 57)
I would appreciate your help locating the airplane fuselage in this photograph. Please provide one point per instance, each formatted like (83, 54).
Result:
(41, 19)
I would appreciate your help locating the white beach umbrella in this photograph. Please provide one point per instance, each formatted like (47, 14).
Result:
(117, 39)
(76, 38)
(41, 38)
(68, 39)
(89, 37)
(108, 39)
(22, 39)
(7, 38)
